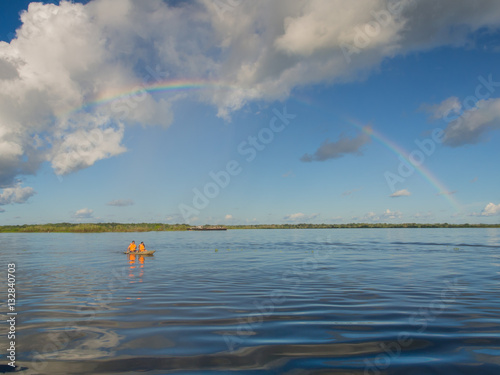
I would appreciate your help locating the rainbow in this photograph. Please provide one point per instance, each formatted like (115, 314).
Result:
(159, 86)
(186, 85)
(399, 151)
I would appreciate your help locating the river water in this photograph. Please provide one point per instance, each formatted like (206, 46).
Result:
(326, 301)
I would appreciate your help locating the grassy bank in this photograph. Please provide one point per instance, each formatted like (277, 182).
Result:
(91, 228)
(361, 225)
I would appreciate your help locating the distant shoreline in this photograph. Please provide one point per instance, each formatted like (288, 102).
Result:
(159, 227)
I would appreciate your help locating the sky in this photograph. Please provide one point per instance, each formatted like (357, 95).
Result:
(250, 112)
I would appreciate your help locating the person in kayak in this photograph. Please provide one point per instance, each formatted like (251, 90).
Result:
(142, 247)
(132, 247)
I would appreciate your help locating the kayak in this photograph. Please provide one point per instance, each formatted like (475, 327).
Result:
(147, 252)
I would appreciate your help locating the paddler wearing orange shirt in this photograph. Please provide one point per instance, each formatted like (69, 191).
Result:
(132, 247)
(142, 247)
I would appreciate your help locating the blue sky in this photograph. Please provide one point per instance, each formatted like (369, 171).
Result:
(307, 112)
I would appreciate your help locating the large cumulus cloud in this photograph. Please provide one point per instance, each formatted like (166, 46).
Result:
(68, 55)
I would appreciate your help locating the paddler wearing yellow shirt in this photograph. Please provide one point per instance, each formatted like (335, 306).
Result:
(132, 247)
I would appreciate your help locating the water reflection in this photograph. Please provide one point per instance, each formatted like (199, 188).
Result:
(311, 302)
(136, 267)
(77, 342)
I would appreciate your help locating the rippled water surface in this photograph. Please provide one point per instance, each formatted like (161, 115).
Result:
(329, 301)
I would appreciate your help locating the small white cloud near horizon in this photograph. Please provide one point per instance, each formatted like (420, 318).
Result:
(420, 215)
(400, 193)
(373, 217)
(84, 213)
(300, 216)
(121, 202)
(388, 214)
(228, 217)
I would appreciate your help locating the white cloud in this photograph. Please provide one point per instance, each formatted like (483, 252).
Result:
(228, 217)
(121, 202)
(385, 216)
(391, 215)
(84, 213)
(296, 216)
(450, 106)
(324, 25)
(334, 150)
(271, 47)
(491, 209)
(468, 121)
(299, 216)
(81, 148)
(16, 194)
(425, 215)
(68, 55)
(472, 126)
(400, 193)
(63, 57)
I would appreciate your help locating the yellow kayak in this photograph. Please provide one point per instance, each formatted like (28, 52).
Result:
(147, 252)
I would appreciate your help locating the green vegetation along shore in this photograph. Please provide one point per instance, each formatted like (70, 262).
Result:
(149, 227)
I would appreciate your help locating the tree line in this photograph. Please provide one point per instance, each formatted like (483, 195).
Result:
(150, 227)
